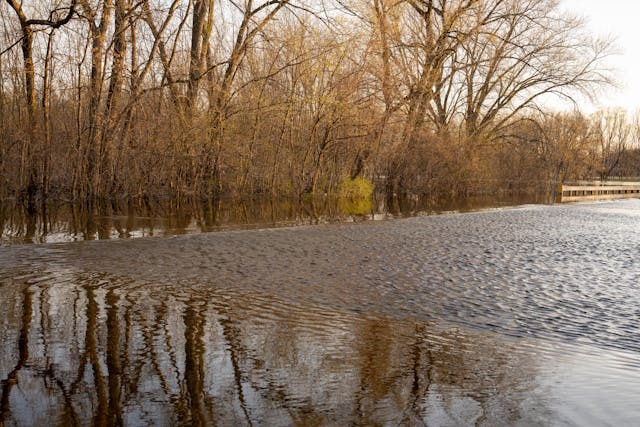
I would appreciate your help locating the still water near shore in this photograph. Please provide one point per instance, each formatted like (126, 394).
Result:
(525, 315)
(57, 221)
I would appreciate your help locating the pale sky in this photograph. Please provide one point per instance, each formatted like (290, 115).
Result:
(620, 19)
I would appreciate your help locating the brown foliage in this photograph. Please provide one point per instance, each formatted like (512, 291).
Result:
(282, 97)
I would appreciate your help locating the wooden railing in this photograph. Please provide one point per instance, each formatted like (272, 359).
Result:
(597, 190)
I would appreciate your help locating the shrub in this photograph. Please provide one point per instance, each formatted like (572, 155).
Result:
(358, 188)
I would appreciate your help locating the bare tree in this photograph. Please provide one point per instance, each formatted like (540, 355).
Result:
(253, 20)
(511, 63)
(98, 26)
(55, 20)
(202, 97)
(612, 133)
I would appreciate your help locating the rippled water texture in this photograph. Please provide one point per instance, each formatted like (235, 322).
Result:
(519, 316)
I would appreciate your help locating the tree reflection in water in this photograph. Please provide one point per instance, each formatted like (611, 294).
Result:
(61, 221)
(81, 348)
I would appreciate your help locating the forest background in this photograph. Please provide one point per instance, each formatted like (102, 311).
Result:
(200, 98)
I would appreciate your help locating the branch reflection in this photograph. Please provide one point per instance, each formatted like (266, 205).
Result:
(112, 353)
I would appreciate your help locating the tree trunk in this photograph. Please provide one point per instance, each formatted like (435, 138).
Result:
(198, 19)
(98, 38)
(29, 183)
(3, 148)
(46, 115)
(113, 98)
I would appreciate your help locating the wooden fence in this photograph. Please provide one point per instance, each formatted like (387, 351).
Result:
(597, 190)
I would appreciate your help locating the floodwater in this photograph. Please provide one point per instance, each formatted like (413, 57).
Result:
(58, 221)
(525, 315)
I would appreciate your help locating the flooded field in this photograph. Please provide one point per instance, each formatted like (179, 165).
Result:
(525, 315)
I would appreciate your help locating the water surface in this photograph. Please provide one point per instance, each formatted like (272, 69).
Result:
(60, 221)
(519, 316)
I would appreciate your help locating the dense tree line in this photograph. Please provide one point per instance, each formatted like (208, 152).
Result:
(109, 98)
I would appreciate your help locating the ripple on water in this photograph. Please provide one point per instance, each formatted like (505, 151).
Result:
(521, 315)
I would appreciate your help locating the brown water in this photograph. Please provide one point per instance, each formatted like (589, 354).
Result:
(58, 221)
(517, 316)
